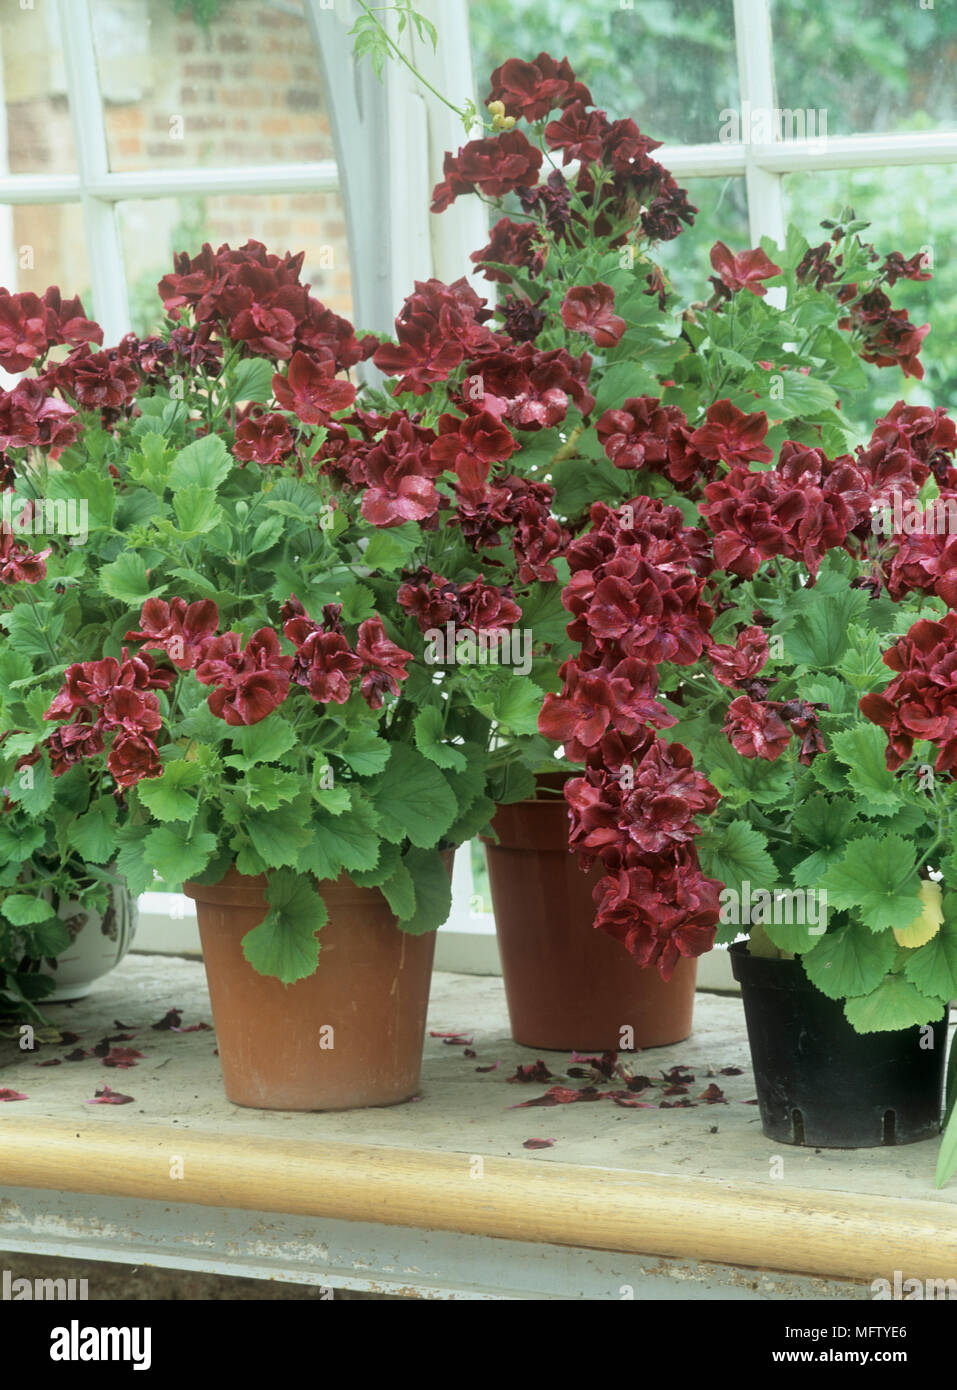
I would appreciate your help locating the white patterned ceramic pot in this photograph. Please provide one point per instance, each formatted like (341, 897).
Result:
(98, 942)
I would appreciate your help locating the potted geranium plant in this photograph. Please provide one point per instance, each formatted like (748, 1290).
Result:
(238, 685)
(727, 699)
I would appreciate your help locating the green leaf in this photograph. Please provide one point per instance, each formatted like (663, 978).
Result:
(204, 464)
(620, 382)
(876, 878)
(266, 741)
(390, 550)
(399, 891)
(365, 752)
(428, 739)
(473, 822)
(33, 787)
(47, 940)
(93, 835)
(252, 380)
(349, 841)
(197, 510)
(516, 705)
(413, 799)
(849, 961)
(126, 579)
(933, 966)
(284, 945)
(266, 787)
(169, 797)
(131, 860)
(895, 1003)
(22, 909)
(818, 637)
(279, 835)
(433, 891)
(176, 858)
(737, 853)
(862, 750)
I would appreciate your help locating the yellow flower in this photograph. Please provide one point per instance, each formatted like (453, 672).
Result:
(928, 921)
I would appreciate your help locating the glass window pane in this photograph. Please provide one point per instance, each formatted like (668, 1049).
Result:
(871, 66)
(43, 245)
(243, 90)
(153, 229)
(668, 64)
(910, 210)
(39, 136)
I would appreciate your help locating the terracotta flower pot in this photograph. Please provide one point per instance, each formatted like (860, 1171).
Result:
(568, 986)
(349, 1035)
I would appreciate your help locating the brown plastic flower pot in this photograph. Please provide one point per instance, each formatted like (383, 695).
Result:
(368, 999)
(568, 986)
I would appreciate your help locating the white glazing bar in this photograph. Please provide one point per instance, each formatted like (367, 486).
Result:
(752, 27)
(321, 177)
(104, 248)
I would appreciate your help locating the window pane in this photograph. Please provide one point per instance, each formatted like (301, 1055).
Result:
(42, 245)
(669, 64)
(39, 134)
(910, 210)
(153, 229)
(871, 66)
(244, 90)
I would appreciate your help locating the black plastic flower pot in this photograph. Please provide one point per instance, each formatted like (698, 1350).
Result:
(822, 1084)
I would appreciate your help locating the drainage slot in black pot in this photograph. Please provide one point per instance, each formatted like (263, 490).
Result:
(797, 1120)
(890, 1127)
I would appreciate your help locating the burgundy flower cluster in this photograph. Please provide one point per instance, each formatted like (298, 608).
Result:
(800, 509)
(438, 327)
(31, 326)
(327, 666)
(921, 700)
(633, 190)
(477, 606)
(761, 728)
(635, 596)
(889, 338)
(255, 299)
(486, 507)
(528, 388)
(110, 698)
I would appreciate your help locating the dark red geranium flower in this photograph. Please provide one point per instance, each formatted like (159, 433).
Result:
(921, 701)
(31, 417)
(382, 661)
(742, 271)
(660, 911)
(518, 244)
(731, 435)
(579, 133)
(494, 166)
(250, 682)
(399, 471)
(23, 330)
(17, 563)
(437, 328)
(756, 730)
(481, 438)
(531, 90)
(486, 607)
(97, 380)
(311, 390)
(531, 389)
(324, 662)
(588, 309)
(746, 659)
(433, 600)
(265, 439)
(182, 631)
(522, 320)
(593, 702)
(71, 744)
(133, 757)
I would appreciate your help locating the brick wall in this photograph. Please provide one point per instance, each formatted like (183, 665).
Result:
(176, 96)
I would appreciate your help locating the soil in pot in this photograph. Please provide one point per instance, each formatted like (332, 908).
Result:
(819, 1082)
(349, 1035)
(570, 987)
